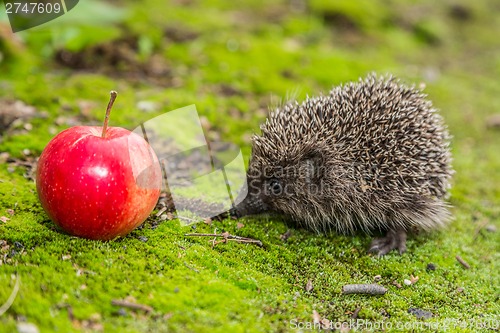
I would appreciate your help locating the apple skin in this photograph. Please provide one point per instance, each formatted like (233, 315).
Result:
(98, 188)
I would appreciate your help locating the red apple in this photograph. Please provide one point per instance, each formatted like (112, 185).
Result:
(98, 182)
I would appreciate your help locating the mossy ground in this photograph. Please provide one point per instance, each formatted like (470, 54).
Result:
(232, 59)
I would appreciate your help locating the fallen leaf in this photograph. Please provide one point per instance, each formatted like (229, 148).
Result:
(316, 317)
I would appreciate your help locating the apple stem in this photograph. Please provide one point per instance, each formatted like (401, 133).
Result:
(108, 111)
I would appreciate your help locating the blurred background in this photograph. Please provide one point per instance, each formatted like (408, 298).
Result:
(237, 59)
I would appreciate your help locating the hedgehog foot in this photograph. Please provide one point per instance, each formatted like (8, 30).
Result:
(394, 239)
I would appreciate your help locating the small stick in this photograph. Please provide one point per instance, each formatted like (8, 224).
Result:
(286, 235)
(161, 211)
(462, 262)
(133, 306)
(108, 111)
(71, 316)
(369, 289)
(228, 237)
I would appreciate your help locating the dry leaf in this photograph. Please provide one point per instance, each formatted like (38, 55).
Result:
(309, 285)
(316, 317)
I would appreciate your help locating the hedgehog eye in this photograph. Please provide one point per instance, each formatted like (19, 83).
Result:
(275, 186)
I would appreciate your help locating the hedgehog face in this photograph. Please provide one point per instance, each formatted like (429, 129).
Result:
(285, 185)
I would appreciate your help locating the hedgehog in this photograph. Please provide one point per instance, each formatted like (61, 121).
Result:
(370, 156)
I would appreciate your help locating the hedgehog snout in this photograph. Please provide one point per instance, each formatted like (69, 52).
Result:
(252, 203)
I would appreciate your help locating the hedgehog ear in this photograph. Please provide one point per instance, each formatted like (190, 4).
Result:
(314, 154)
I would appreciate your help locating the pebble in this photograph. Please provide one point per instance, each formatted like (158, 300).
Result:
(419, 313)
(491, 228)
(27, 328)
(407, 282)
(122, 312)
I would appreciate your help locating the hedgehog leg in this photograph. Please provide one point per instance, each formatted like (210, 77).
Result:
(394, 239)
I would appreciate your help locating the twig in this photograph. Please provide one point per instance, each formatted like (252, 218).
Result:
(6, 306)
(369, 289)
(462, 262)
(191, 268)
(71, 316)
(161, 211)
(227, 237)
(133, 306)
